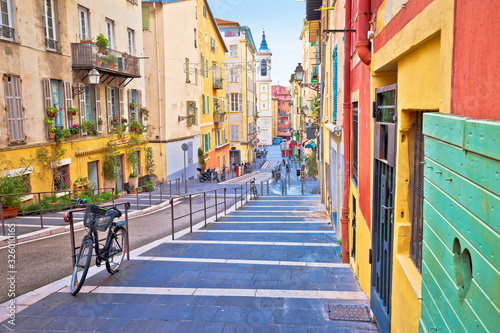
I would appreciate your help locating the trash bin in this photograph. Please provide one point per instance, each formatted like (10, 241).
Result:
(238, 171)
(298, 172)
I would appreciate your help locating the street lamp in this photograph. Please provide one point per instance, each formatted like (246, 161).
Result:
(94, 76)
(299, 73)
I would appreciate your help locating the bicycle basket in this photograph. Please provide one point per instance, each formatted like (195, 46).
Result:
(98, 218)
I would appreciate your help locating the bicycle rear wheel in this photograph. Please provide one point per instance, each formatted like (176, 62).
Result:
(82, 265)
(117, 250)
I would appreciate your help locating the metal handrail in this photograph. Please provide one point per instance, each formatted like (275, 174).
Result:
(161, 190)
(68, 217)
(41, 210)
(205, 206)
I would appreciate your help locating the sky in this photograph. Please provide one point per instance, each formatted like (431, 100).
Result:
(282, 21)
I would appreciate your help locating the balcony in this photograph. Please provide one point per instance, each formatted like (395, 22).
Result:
(115, 63)
(217, 83)
(219, 118)
(6, 32)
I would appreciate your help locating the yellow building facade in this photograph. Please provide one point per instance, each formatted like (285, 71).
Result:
(46, 67)
(213, 102)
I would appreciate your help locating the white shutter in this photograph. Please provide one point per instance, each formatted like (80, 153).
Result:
(68, 99)
(240, 102)
(108, 108)
(47, 99)
(98, 108)
(138, 114)
(14, 107)
(81, 105)
(129, 100)
(123, 113)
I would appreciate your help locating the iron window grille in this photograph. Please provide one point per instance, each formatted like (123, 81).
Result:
(6, 32)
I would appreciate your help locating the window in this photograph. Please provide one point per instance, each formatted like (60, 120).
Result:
(204, 11)
(203, 103)
(195, 38)
(202, 65)
(206, 68)
(233, 74)
(206, 142)
(234, 102)
(113, 102)
(186, 70)
(212, 44)
(110, 33)
(235, 133)
(206, 38)
(130, 37)
(50, 30)
(145, 18)
(355, 142)
(14, 108)
(83, 18)
(6, 30)
(233, 51)
(61, 178)
(216, 105)
(208, 104)
(263, 67)
(55, 93)
(87, 111)
(217, 138)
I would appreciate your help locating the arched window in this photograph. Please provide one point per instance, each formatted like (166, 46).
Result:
(263, 67)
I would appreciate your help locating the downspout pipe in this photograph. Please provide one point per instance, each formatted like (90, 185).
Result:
(362, 43)
(344, 219)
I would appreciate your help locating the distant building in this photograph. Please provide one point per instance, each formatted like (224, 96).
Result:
(264, 81)
(283, 120)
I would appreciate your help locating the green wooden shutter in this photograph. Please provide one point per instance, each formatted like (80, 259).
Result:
(335, 83)
(145, 18)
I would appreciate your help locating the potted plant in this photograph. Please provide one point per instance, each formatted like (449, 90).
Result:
(102, 43)
(11, 204)
(124, 120)
(150, 162)
(112, 60)
(74, 129)
(115, 119)
(48, 121)
(136, 127)
(66, 134)
(52, 132)
(132, 106)
(51, 111)
(100, 121)
(109, 171)
(73, 112)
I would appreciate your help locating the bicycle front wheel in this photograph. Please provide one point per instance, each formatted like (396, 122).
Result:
(82, 266)
(117, 249)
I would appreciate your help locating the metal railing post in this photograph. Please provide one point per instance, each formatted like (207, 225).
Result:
(126, 226)
(286, 188)
(170, 190)
(72, 231)
(172, 214)
(246, 192)
(137, 198)
(205, 206)
(149, 196)
(261, 188)
(225, 209)
(113, 195)
(93, 196)
(161, 191)
(190, 214)
(235, 200)
(302, 184)
(282, 189)
(1, 214)
(268, 187)
(215, 205)
(40, 207)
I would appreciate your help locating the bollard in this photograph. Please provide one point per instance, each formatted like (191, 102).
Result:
(190, 214)
(225, 209)
(282, 189)
(216, 205)
(205, 206)
(235, 200)
(286, 188)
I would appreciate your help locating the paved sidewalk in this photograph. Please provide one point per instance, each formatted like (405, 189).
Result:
(270, 266)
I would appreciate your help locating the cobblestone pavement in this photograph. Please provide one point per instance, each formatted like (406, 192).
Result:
(270, 266)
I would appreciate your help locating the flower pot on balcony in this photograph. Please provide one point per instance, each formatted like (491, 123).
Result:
(10, 212)
(51, 114)
(113, 67)
(52, 135)
(98, 62)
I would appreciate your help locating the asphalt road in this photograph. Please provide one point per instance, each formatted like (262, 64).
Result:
(43, 261)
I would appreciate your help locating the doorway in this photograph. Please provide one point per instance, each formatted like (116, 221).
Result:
(384, 188)
(93, 174)
(120, 182)
(234, 156)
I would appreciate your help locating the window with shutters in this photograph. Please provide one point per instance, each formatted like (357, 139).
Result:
(130, 39)
(6, 27)
(217, 138)
(203, 104)
(202, 65)
(55, 95)
(208, 104)
(235, 133)
(233, 74)
(114, 109)
(233, 51)
(88, 109)
(145, 18)
(206, 68)
(14, 108)
(110, 33)
(83, 18)
(212, 44)
(234, 102)
(50, 25)
(204, 11)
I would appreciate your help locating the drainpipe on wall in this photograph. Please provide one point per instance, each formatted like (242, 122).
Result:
(344, 219)
(363, 44)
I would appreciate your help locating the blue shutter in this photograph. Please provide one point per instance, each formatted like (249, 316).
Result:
(335, 83)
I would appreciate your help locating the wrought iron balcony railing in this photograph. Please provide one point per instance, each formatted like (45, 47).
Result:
(88, 55)
(51, 44)
(217, 84)
(6, 32)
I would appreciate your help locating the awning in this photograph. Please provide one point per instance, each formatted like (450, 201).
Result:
(310, 144)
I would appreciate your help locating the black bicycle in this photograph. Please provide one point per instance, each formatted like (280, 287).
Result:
(253, 189)
(111, 252)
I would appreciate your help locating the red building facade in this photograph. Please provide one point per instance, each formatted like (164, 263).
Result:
(284, 119)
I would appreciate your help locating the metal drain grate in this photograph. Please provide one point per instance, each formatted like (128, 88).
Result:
(349, 312)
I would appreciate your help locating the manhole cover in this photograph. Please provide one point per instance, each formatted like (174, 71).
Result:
(349, 312)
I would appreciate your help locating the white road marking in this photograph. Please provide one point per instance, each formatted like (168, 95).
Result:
(271, 231)
(247, 262)
(253, 243)
(271, 293)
